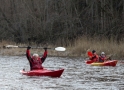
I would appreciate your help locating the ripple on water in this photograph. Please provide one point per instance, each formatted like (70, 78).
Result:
(77, 75)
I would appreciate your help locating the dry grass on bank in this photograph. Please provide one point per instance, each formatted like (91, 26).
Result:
(81, 45)
(79, 48)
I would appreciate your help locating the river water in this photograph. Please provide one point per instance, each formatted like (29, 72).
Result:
(76, 76)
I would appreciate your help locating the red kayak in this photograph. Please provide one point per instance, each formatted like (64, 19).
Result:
(43, 72)
(106, 63)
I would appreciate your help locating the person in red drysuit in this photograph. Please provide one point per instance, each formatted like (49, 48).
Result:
(94, 56)
(35, 61)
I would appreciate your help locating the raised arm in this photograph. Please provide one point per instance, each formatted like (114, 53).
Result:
(28, 53)
(44, 55)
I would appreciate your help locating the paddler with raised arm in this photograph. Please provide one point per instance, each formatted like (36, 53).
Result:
(35, 61)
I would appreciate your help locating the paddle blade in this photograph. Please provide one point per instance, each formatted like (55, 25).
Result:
(11, 46)
(89, 53)
(60, 49)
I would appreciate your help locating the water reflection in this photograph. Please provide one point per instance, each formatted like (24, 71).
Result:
(77, 75)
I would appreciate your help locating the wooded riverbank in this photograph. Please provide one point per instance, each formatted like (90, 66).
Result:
(77, 25)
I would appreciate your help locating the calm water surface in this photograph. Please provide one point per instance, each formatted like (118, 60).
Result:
(77, 75)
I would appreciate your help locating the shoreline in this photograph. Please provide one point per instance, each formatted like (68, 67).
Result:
(76, 49)
(51, 53)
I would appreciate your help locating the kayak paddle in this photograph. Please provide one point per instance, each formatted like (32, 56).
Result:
(57, 48)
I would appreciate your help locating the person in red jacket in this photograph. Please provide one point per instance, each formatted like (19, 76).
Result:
(94, 56)
(35, 61)
(103, 57)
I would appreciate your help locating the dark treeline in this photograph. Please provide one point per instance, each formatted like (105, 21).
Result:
(60, 21)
